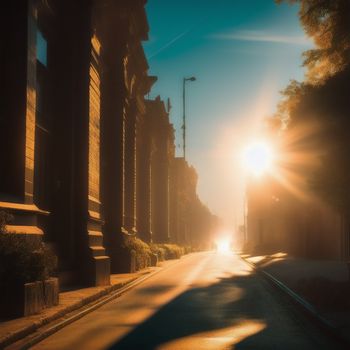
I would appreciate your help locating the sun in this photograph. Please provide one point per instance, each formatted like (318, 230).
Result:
(223, 245)
(258, 158)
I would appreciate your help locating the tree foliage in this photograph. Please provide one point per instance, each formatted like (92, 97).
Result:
(327, 23)
(322, 101)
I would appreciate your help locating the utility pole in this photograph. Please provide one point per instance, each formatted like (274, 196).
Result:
(184, 112)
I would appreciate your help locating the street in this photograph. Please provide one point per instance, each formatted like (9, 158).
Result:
(205, 301)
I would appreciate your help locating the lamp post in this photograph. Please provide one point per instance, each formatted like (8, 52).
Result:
(184, 112)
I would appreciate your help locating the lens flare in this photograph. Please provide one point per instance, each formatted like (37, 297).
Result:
(258, 158)
(223, 245)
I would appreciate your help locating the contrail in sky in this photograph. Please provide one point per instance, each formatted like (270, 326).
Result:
(178, 37)
(170, 43)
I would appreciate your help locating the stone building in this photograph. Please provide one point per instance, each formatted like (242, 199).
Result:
(144, 173)
(123, 112)
(163, 150)
(72, 92)
(51, 117)
(182, 186)
(87, 162)
(191, 222)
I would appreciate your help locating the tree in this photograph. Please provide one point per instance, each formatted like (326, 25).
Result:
(327, 23)
(315, 113)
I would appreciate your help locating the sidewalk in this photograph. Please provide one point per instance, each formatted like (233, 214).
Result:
(71, 301)
(322, 285)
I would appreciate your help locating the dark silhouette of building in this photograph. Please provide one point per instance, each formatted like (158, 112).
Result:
(279, 219)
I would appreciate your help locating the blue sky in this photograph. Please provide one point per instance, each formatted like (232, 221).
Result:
(243, 52)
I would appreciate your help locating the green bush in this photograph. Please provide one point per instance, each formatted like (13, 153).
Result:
(188, 249)
(173, 251)
(23, 259)
(142, 251)
(168, 251)
(159, 251)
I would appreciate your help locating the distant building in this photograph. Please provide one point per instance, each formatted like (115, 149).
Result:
(162, 155)
(191, 222)
(280, 220)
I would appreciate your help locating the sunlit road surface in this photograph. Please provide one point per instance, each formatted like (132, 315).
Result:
(205, 301)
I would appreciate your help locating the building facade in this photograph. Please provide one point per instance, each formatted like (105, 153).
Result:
(87, 161)
(191, 223)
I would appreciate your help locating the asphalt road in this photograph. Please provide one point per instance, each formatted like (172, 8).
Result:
(205, 301)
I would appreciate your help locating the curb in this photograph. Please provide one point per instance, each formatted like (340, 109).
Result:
(305, 306)
(26, 337)
(44, 321)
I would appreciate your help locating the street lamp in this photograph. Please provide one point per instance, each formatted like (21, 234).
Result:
(184, 112)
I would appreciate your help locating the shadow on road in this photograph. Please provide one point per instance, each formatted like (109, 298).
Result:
(237, 313)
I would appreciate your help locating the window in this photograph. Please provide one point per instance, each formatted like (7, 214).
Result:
(41, 48)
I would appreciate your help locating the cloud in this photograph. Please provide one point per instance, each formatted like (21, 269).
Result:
(261, 36)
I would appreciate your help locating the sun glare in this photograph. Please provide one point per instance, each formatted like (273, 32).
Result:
(223, 245)
(258, 158)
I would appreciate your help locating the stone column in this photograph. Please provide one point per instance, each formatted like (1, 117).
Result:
(113, 141)
(130, 167)
(163, 204)
(160, 174)
(92, 263)
(122, 25)
(144, 145)
(180, 188)
(173, 202)
(17, 116)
